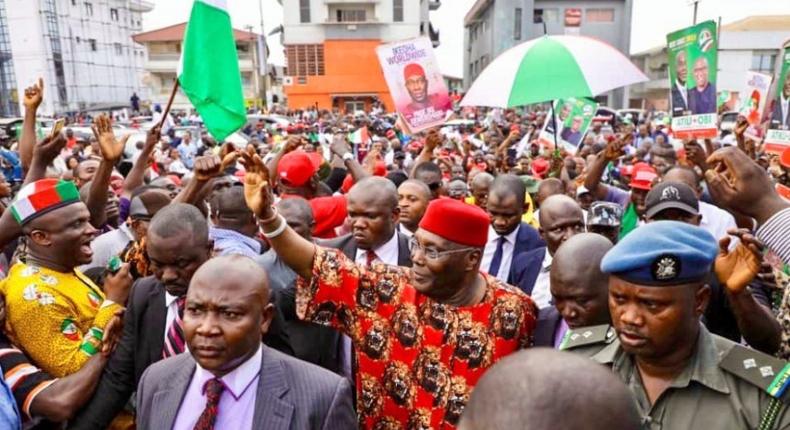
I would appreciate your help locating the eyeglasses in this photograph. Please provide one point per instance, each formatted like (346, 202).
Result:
(432, 253)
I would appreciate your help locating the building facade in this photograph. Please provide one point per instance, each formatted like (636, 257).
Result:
(330, 49)
(493, 26)
(162, 49)
(82, 48)
(749, 44)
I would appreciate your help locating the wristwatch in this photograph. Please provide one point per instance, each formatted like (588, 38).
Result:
(348, 156)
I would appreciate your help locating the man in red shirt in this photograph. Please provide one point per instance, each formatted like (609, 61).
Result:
(424, 335)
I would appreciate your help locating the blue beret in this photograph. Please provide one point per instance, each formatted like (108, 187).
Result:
(662, 253)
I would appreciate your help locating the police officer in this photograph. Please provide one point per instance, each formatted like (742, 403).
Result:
(681, 375)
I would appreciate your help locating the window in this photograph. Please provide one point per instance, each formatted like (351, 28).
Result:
(304, 11)
(114, 14)
(517, 25)
(483, 62)
(118, 48)
(305, 60)
(88, 9)
(92, 43)
(73, 2)
(537, 16)
(763, 61)
(78, 39)
(350, 15)
(471, 70)
(397, 10)
(549, 15)
(600, 15)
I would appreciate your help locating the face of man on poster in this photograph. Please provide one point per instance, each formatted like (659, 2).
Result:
(786, 86)
(417, 86)
(680, 66)
(577, 123)
(701, 73)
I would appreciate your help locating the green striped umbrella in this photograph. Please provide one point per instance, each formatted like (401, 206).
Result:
(549, 68)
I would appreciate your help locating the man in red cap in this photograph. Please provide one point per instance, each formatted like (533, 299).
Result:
(633, 203)
(417, 85)
(422, 336)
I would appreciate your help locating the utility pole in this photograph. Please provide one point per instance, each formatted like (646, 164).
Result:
(695, 3)
(264, 56)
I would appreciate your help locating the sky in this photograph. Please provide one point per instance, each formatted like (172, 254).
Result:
(651, 21)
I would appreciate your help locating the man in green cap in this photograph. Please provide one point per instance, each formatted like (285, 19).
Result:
(681, 375)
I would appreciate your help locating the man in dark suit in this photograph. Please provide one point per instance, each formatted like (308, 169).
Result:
(578, 288)
(313, 343)
(373, 211)
(560, 218)
(702, 98)
(177, 244)
(679, 91)
(211, 385)
(508, 237)
(780, 116)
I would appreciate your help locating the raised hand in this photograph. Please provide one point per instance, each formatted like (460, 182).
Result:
(433, 140)
(257, 190)
(614, 148)
(48, 149)
(111, 148)
(112, 333)
(339, 145)
(34, 95)
(736, 268)
(210, 166)
(152, 138)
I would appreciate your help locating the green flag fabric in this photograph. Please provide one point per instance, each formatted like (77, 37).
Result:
(209, 68)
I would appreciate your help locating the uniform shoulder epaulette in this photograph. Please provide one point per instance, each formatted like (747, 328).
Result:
(768, 373)
(589, 335)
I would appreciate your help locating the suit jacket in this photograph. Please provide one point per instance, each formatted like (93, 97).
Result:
(291, 394)
(348, 245)
(527, 239)
(678, 103)
(140, 346)
(702, 101)
(548, 321)
(777, 122)
(528, 265)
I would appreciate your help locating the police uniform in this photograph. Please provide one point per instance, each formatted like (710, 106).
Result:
(724, 385)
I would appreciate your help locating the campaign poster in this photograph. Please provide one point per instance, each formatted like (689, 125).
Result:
(753, 96)
(777, 137)
(574, 116)
(415, 82)
(693, 60)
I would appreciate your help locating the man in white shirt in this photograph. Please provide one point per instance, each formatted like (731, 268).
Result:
(413, 199)
(508, 236)
(561, 217)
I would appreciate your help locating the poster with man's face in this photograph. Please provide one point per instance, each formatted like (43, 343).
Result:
(415, 82)
(777, 137)
(574, 116)
(692, 80)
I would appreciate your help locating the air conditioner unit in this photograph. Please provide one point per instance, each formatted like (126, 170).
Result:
(288, 80)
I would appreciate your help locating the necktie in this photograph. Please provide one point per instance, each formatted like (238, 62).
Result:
(174, 341)
(370, 257)
(213, 390)
(493, 269)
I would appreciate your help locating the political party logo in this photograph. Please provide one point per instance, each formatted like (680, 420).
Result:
(705, 40)
(69, 329)
(94, 298)
(48, 279)
(31, 293)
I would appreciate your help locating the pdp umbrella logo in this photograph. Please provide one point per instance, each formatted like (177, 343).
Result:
(705, 40)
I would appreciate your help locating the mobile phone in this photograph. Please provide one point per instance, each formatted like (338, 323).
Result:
(114, 265)
(57, 127)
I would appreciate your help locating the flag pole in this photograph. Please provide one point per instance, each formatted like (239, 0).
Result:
(169, 103)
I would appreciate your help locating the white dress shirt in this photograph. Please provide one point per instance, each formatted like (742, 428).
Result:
(507, 253)
(386, 253)
(541, 293)
(785, 104)
(405, 231)
(717, 221)
(236, 404)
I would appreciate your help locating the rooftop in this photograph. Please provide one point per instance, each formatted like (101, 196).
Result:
(176, 32)
(475, 10)
(759, 23)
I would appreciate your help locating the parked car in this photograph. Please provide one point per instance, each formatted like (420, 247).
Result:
(727, 121)
(633, 115)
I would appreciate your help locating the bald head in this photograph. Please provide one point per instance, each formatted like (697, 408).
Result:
(547, 188)
(299, 216)
(483, 179)
(236, 274)
(549, 390)
(417, 187)
(505, 186)
(560, 218)
(230, 211)
(377, 190)
(579, 288)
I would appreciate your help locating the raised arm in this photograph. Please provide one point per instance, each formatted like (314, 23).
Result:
(613, 151)
(33, 97)
(432, 141)
(340, 148)
(111, 151)
(136, 175)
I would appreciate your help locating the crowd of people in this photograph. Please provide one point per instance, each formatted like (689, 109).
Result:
(339, 272)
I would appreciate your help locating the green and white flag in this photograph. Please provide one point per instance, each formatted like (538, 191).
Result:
(209, 69)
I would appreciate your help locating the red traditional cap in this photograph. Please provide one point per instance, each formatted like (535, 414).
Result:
(391, 134)
(380, 168)
(540, 166)
(297, 167)
(457, 222)
(643, 176)
(784, 160)
(412, 69)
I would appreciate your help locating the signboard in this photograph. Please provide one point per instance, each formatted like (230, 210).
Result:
(753, 96)
(574, 116)
(777, 137)
(692, 80)
(415, 82)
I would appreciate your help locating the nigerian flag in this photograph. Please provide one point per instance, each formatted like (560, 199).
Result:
(209, 69)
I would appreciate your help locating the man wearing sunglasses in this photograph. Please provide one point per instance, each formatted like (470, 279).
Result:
(423, 336)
